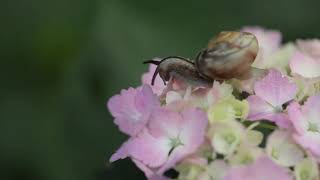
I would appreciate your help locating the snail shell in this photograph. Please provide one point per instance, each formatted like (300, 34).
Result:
(229, 55)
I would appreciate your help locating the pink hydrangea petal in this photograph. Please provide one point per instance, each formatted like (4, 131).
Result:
(121, 153)
(132, 108)
(194, 128)
(309, 141)
(146, 101)
(259, 109)
(165, 123)
(297, 118)
(311, 109)
(158, 177)
(149, 173)
(262, 169)
(176, 155)
(282, 120)
(150, 151)
(158, 86)
(301, 118)
(275, 89)
(192, 136)
(304, 65)
(310, 47)
(116, 103)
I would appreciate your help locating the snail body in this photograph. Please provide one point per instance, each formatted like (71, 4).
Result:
(229, 55)
(179, 68)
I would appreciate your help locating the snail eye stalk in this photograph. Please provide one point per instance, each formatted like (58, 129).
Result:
(156, 72)
(152, 62)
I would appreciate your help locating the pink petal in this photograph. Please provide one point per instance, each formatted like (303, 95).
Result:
(297, 119)
(121, 153)
(311, 109)
(259, 109)
(146, 101)
(149, 173)
(304, 65)
(158, 177)
(310, 47)
(150, 151)
(282, 120)
(301, 118)
(165, 123)
(132, 108)
(262, 169)
(309, 141)
(158, 86)
(275, 89)
(192, 135)
(194, 128)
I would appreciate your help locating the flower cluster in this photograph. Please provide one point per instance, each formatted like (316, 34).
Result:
(263, 128)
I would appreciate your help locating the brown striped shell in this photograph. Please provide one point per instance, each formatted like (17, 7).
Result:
(229, 55)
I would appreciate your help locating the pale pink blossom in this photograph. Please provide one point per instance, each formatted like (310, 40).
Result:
(306, 122)
(169, 137)
(270, 94)
(215, 170)
(132, 108)
(306, 60)
(282, 149)
(262, 169)
(310, 47)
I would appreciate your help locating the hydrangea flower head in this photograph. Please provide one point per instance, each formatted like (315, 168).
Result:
(258, 127)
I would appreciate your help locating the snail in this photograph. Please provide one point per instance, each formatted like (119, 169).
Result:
(228, 55)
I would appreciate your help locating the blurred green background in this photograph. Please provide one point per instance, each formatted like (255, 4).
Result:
(61, 60)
